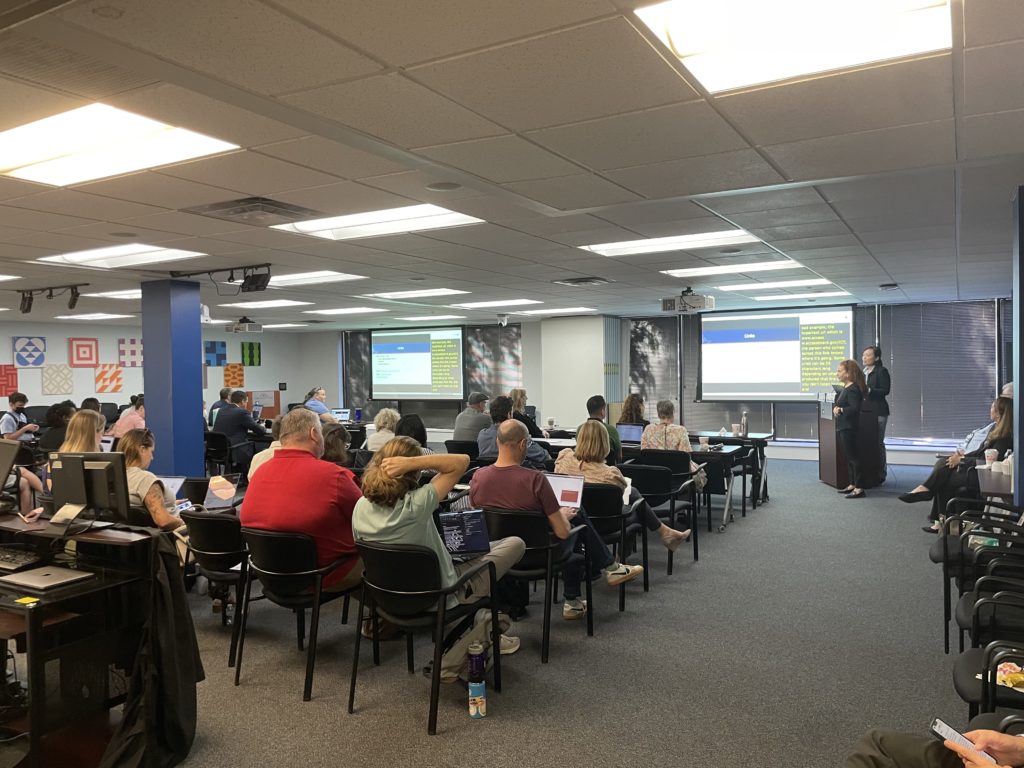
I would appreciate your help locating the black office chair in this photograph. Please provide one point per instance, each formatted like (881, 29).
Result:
(603, 505)
(110, 412)
(468, 447)
(659, 486)
(36, 413)
(220, 454)
(545, 557)
(293, 406)
(402, 584)
(361, 458)
(215, 541)
(194, 489)
(286, 566)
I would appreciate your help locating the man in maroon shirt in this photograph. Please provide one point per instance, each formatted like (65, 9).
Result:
(508, 485)
(296, 492)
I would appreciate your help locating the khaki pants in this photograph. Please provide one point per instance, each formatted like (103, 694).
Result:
(893, 749)
(351, 579)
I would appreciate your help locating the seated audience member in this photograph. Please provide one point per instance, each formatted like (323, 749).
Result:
(395, 509)
(588, 459)
(145, 490)
(222, 402)
(892, 749)
(131, 418)
(597, 410)
(336, 444)
(267, 453)
(473, 419)
(412, 426)
(316, 401)
(82, 436)
(667, 436)
(950, 474)
(507, 484)
(57, 418)
(90, 404)
(329, 493)
(237, 423)
(384, 424)
(487, 441)
(633, 410)
(518, 397)
(14, 424)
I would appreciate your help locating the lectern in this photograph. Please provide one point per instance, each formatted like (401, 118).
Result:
(832, 467)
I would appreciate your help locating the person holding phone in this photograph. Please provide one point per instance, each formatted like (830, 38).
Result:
(880, 748)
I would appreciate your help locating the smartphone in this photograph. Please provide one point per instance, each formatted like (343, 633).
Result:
(183, 505)
(943, 731)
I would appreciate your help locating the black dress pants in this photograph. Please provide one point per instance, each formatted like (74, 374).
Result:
(848, 439)
(946, 484)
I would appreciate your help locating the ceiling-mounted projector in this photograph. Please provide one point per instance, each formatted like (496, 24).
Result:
(688, 302)
(244, 325)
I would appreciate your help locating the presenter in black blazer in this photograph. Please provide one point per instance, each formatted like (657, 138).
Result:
(879, 383)
(846, 409)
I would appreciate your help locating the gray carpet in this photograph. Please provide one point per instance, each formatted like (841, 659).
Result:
(804, 624)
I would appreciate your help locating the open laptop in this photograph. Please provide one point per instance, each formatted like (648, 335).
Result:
(8, 453)
(220, 494)
(568, 489)
(107, 443)
(46, 577)
(342, 414)
(257, 409)
(172, 483)
(465, 533)
(630, 433)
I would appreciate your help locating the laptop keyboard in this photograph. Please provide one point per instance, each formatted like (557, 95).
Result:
(13, 559)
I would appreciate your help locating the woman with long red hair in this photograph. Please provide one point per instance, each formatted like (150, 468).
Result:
(846, 409)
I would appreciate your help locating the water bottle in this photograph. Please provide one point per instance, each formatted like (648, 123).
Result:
(477, 686)
(744, 423)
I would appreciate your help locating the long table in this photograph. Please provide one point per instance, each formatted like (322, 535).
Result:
(759, 442)
(994, 485)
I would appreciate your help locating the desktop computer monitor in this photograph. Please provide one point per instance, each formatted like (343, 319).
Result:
(96, 480)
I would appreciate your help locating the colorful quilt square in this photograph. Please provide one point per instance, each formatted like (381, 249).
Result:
(83, 353)
(234, 375)
(109, 378)
(58, 379)
(129, 353)
(8, 379)
(29, 351)
(251, 353)
(215, 353)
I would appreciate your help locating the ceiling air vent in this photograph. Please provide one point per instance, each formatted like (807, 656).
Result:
(577, 282)
(255, 211)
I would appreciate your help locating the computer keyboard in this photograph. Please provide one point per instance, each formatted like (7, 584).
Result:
(13, 559)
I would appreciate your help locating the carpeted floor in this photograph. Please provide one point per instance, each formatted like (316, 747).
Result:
(804, 624)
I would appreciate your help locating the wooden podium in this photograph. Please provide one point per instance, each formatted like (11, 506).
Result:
(832, 467)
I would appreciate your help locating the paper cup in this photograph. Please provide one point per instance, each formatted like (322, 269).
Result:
(990, 456)
(736, 429)
(704, 443)
(551, 421)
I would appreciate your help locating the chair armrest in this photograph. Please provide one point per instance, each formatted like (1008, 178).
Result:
(699, 467)
(1005, 581)
(316, 572)
(1009, 721)
(469, 574)
(1008, 561)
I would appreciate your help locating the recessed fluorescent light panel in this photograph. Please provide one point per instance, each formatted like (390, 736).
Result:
(94, 142)
(728, 44)
(733, 269)
(432, 317)
(779, 284)
(93, 316)
(566, 311)
(135, 293)
(501, 303)
(674, 243)
(312, 278)
(415, 294)
(269, 304)
(343, 311)
(412, 218)
(785, 296)
(117, 256)
(287, 325)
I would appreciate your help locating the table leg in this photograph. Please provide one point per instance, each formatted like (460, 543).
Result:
(764, 478)
(727, 510)
(36, 683)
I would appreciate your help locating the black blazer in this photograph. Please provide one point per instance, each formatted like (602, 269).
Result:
(879, 384)
(237, 423)
(1001, 444)
(531, 425)
(849, 400)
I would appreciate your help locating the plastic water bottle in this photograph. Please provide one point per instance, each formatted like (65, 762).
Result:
(477, 686)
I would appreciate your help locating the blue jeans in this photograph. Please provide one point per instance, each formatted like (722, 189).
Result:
(600, 555)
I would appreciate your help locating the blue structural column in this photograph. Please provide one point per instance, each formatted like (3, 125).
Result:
(173, 377)
(1018, 360)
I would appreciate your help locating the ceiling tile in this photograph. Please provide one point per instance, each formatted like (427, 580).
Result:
(876, 97)
(72, 203)
(157, 189)
(771, 200)
(802, 214)
(11, 188)
(992, 135)
(573, 192)
(343, 198)
(24, 104)
(413, 185)
(992, 21)
(36, 220)
(693, 176)
(586, 72)
(889, 149)
(182, 224)
(654, 212)
(502, 159)
(249, 172)
(993, 78)
(331, 157)
(198, 34)
(639, 138)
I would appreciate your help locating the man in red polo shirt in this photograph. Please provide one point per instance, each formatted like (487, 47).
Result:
(296, 492)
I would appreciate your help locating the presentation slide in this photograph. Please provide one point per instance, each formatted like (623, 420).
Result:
(783, 355)
(416, 365)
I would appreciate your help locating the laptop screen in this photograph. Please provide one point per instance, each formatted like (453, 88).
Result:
(257, 409)
(465, 533)
(568, 489)
(172, 484)
(221, 492)
(630, 433)
(107, 443)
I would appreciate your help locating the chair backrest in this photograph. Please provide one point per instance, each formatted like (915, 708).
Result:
(677, 461)
(293, 406)
(215, 539)
(283, 562)
(403, 579)
(469, 447)
(532, 527)
(194, 489)
(109, 411)
(36, 413)
(715, 471)
(654, 483)
(603, 504)
(217, 445)
(361, 457)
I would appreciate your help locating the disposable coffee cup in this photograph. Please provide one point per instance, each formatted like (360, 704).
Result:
(551, 421)
(704, 443)
(736, 429)
(990, 456)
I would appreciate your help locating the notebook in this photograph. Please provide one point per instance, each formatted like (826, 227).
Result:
(568, 489)
(220, 494)
(630, 433)
(47, 577)
(465, 533)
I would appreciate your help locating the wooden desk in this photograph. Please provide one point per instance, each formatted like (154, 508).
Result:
(759, 442)
(994, 485)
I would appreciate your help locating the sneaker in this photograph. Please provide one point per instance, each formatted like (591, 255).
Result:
(510, 645)
(622, 573)
(574, 609)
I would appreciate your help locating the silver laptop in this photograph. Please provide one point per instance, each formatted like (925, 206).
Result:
(220, 493)
(47, 577)
(106, 443)
(172, 483)
(257, 411)
(568, 489)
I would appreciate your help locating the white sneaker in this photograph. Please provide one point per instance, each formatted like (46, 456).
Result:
(574, 609)
(509, 645)
(622, 574)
